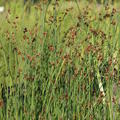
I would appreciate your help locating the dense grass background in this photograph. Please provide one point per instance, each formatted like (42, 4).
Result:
(60, 60)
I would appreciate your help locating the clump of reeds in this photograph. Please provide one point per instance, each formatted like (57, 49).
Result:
(56, 64)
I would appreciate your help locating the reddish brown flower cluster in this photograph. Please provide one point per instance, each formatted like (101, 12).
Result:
(98, 32)
(29, 77)
(1, 103)
(100, 57)
(76, 71)
(51, 48)
(89, 48)
(68, 10)
(7, 35)
(113, 22)
(100, 98)
(109, 13)
(67, 58)
(114, 99)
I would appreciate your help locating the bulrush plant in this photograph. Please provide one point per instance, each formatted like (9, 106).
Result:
(60, 61)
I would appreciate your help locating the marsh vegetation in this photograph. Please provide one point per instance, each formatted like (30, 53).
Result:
(60, 61)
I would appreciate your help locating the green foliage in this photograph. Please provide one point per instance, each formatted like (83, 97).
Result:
(60, 61)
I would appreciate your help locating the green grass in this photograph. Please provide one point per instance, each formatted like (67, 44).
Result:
(59, 62)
